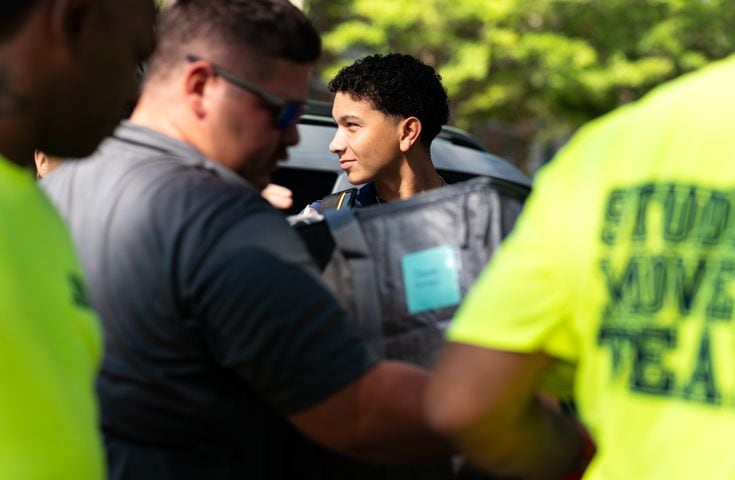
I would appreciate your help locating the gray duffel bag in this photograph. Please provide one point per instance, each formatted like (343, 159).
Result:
(401, 269)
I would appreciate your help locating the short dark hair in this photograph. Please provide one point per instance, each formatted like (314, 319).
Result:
(273, 28)
(397, 85)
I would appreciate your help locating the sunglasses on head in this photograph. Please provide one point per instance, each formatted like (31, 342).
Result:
(285, 112)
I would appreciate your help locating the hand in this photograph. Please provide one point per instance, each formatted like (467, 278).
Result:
(278, 196)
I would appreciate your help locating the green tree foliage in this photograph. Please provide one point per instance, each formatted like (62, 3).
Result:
(547, 65)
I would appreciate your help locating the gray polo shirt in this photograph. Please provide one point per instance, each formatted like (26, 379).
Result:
(215, 324)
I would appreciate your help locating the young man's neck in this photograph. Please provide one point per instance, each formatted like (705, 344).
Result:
(415, 175)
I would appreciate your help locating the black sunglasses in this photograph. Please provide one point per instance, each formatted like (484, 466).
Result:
(287, 112)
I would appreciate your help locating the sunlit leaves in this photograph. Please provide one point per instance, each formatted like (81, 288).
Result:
(553, 64)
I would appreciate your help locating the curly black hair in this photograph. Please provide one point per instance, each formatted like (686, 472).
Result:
(397, 85)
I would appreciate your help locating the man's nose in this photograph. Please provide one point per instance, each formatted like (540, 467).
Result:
(336, 145)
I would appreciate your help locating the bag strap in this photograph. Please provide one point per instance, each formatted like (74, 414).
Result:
(350, 241)
(339, 200)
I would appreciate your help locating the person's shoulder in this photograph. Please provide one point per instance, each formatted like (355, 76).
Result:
(356, 197)
(711, 83)
(366, 195)
(339, 200)
(311, 210)
(712, 80)
(14, 180)
(23, 206)
(334, 201)
(200, 193)
(700, 90)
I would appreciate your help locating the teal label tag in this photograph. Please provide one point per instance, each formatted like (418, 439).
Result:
(431, 278)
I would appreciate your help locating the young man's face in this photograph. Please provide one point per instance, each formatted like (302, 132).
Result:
(242, 133)
(366, 141)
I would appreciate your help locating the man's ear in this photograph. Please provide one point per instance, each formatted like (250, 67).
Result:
(41, 163)
(410, 132)
(196, 79)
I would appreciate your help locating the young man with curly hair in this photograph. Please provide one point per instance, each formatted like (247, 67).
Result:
(388, 109)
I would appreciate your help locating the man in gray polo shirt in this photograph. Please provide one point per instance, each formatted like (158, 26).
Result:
(216, 328)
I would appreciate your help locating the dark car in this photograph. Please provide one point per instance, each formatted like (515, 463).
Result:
(312, 171)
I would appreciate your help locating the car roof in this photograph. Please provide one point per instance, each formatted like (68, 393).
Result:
(453, 150)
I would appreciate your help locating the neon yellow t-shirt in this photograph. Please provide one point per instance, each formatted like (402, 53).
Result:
(623, 264)
(51, 343)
